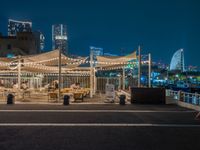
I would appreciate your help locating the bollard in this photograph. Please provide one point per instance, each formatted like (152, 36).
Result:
(122, 99)
(66, 100)
(181, 98)
(10, 99)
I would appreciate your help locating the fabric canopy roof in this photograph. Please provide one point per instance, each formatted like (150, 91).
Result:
(48, 62)
(108, 61)
(43, 63)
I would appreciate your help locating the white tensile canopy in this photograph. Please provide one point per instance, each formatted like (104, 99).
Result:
(111, 61)
(43, 63)
(48, 62)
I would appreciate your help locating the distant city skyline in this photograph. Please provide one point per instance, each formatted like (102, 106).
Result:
(160, 27)
(16, 26)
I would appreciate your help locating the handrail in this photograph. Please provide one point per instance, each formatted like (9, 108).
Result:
(191, 98)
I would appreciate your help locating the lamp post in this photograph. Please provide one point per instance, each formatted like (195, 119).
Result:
(123, 77)
(149, 70)
(167, 74)
(139, 66)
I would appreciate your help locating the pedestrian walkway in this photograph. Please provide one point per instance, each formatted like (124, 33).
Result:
(165, 127)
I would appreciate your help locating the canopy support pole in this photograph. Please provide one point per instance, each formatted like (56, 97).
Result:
(91, 75)
(119, 87)
(19, 76)
(123, 77)
(59, 75)
(95, 81)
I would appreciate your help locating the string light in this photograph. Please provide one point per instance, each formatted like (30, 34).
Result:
(43, 64)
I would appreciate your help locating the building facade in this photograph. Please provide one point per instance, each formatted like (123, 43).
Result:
(40, 39)
(15, 26)
(177, 61)
(59, 38)
(25, 43)
(97, 51)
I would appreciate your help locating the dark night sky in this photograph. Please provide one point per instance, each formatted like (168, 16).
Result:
(160, 26)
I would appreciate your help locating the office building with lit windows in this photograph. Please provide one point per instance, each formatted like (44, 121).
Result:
(15, 26)
(59, 38)
(24, 43)
(97, 51)
(39, 36)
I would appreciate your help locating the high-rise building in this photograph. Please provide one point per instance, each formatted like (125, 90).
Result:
(96, 51)
(40, 39)
(59, 38)
(15, 26)
(177, 62)
(24, 43)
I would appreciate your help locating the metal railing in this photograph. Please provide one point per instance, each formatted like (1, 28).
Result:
(173, 94)
(190, 98)
(102, 81)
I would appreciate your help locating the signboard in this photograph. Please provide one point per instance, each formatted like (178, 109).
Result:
(110, 93)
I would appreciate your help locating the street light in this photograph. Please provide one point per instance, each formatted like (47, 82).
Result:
(139, 66)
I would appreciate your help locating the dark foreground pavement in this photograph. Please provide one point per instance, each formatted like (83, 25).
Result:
(98, 127)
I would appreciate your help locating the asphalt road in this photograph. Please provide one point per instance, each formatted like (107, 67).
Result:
(98, 127)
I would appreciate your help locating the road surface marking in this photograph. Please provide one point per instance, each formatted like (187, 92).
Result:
(93, 125)
(101, 111)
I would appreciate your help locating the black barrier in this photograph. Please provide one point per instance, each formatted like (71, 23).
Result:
(10, 99)
(66, 100)
(148, 95)
(122, 99)
(181, 96)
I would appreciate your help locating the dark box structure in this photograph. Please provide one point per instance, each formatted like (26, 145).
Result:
(148, 95)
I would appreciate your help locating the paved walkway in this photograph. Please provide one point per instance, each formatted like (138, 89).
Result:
(105, 126)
